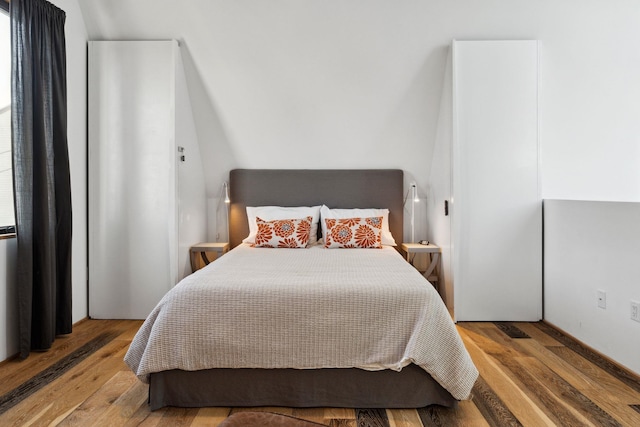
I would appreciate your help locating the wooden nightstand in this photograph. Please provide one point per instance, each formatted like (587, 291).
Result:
(434, 270)
(219, 248)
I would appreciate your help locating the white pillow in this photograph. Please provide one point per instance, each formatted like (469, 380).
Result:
(270, 213)
(387, 237)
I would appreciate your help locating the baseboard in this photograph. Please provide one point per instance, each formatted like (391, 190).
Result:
(619, 366)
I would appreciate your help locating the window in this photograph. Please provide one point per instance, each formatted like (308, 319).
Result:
(7, 218)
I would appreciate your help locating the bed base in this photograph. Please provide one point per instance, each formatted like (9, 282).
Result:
(334, 388)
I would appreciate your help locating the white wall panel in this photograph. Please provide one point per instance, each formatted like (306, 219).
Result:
(497, 216)
(133, 202)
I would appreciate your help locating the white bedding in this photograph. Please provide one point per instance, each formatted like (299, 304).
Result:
(304, 308)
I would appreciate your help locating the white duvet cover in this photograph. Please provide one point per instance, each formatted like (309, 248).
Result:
(306, 309)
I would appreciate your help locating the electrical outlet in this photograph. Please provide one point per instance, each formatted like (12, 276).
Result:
(602, 299)
(635, 311)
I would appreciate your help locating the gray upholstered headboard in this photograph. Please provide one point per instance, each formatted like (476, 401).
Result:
(339, 188)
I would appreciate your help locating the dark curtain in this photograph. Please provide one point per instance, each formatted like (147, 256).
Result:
(42, 184)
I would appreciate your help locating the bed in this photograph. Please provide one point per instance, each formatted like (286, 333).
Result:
(341, 328)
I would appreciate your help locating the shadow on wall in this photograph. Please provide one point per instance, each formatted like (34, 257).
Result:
(439, 187)
(216, 149)
(413, 120)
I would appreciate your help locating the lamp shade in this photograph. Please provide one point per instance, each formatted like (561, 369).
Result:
(225, 185)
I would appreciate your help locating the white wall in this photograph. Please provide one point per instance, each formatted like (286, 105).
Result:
(592, 246)
(76, 38)
(317, 83)
(8, 299)
(289, 84)
(326, 84)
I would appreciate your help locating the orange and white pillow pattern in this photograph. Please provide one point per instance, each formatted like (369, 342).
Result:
(283, 233)
(353, 232)
(270, 213)
(387, 237)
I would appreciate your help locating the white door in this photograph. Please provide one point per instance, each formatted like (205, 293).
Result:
(132, 177)
(497, 210)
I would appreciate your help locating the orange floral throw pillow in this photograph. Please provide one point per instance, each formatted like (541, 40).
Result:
(353, 233)
(283, 233)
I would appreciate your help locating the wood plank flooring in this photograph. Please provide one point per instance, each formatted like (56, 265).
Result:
(530, 375)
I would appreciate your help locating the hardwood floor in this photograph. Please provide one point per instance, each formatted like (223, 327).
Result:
(530, 375)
